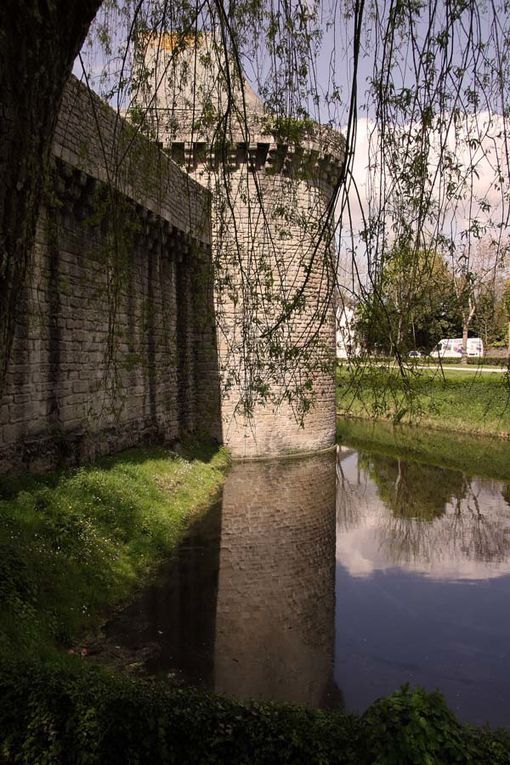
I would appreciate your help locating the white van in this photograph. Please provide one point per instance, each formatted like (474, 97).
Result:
(475, 347)
(451, 348)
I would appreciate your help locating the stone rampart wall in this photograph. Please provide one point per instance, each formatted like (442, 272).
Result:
(115, 341)
(273, 181)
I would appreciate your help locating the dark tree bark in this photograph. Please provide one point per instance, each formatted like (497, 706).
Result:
(39, 40)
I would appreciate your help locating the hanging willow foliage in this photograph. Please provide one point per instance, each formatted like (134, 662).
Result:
(419, 87)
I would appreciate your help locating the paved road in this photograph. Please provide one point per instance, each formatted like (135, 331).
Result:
(447, 367)
(467, 368)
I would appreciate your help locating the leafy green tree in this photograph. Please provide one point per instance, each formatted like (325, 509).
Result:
(490, 322)
(467, 285)
(412, 306)
(477, 288)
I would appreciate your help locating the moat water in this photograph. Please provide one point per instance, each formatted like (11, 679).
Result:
(332, 580)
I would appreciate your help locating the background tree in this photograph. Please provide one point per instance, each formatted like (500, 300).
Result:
(506, 304)
(437, 175)
(490, 319)
(413, 304)
(476, 273)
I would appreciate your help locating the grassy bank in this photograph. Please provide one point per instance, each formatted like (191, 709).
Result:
(73, 544)
(443, 399)
(484, 456)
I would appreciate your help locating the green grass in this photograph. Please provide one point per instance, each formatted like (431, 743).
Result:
(444, 399)
(73, 544)
(487, 361)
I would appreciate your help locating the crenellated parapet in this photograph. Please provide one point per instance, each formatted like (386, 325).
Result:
(309, 161)
(78, 195)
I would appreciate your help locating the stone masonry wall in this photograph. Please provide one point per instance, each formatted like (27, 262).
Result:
(271, 249)
(115, 341)
(287, 375)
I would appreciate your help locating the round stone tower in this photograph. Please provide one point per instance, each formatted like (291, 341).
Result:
(272, 183)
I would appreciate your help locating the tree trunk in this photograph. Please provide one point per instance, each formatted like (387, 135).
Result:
(465, 330)
(466, 322)
(39, 40)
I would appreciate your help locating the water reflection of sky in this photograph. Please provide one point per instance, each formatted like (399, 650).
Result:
(436, 522)
(422, 584)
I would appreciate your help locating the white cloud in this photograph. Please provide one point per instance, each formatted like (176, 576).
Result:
(480, 145)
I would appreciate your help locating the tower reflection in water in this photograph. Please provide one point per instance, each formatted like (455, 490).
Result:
(276, 598)
(247, 605)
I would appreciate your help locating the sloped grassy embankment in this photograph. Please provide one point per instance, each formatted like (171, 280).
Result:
(74, 543)
(473, 402)
(487, 456)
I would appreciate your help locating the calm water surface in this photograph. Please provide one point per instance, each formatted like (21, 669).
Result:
(332, 580)
(422, 584)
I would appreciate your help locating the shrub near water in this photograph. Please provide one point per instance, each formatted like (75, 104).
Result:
(79, 714)
(413, 727)
(73, 544)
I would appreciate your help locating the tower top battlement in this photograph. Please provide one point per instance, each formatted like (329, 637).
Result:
(303, 161)
(192, 90)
